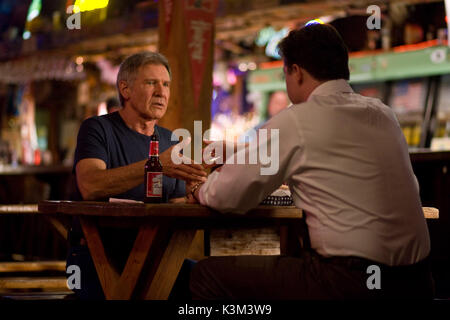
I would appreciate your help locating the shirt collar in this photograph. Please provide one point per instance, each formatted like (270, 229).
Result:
(330, 87)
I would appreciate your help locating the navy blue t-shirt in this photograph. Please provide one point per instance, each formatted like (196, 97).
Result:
(108, 138)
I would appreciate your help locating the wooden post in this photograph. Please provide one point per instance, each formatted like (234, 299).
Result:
(186, 38)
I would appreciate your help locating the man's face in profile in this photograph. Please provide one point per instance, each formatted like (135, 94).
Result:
(150, 91)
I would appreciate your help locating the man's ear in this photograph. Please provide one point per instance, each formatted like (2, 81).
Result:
(124, 89)
(298, 73)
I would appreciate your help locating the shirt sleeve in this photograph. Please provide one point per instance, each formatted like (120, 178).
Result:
(237, 188)
(91, 142)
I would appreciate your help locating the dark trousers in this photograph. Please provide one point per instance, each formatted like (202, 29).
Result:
(309, 276)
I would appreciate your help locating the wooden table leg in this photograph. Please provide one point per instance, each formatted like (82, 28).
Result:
(107, 275)
(115, 286)
(170, 265)
(127, 283)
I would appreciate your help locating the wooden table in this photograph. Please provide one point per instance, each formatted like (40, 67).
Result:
(166, 232)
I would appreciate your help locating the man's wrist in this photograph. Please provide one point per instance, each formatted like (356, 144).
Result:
(195, 188)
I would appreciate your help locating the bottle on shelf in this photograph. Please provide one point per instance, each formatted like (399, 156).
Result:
(153, 173)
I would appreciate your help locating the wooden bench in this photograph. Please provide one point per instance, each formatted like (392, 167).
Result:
(32, 266)
(44, 283)
(33, 280)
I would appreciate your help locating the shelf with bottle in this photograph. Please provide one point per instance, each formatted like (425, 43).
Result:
(420, 60)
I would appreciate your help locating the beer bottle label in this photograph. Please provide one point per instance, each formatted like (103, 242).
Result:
(154, 184)
(154, 148)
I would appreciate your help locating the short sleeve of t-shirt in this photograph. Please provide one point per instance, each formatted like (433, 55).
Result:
(91, 141)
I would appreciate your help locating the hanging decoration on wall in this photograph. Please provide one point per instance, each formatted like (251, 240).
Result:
(168, 13)
(199, 26)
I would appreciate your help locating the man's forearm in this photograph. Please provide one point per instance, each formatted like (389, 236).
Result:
(99, 184)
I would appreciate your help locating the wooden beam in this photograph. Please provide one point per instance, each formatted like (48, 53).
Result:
(34, 283)
(34, 266)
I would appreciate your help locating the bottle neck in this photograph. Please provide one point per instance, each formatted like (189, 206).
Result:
(154, 149)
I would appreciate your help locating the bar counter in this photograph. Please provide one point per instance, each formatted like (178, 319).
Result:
(9, 170)
(27, 183)
(422, 155)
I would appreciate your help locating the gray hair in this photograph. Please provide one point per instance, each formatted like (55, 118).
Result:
(130, 66)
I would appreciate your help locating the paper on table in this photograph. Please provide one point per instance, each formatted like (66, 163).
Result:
(124, 200)
(281, 192)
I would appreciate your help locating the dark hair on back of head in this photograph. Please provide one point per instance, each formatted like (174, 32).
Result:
(317, 48)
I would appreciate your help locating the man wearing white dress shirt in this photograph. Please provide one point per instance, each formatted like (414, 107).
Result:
(347, 165)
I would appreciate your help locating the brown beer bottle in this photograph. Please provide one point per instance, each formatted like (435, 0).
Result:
(153, 173)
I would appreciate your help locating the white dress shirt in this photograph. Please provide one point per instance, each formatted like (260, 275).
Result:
(347, 165)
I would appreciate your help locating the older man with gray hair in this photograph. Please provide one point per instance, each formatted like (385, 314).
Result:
(111, 153)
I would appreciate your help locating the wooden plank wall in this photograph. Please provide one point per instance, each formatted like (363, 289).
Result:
(263, 241)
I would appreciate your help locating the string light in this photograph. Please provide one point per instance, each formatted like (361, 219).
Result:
(89, 5)
(314, 21)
